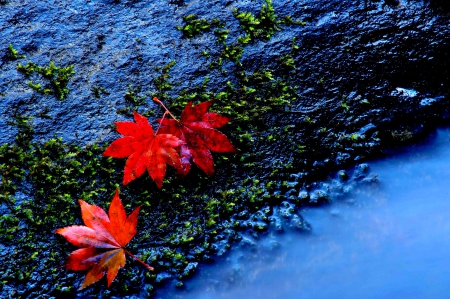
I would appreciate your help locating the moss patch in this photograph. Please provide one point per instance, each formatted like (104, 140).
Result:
(264, 25)
(189, 220)
(194, 26)
(13, 53)
(57, 76)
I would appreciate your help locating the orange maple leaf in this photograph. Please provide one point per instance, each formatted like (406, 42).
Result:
(145, 150)
(102, 240)
(197, 129)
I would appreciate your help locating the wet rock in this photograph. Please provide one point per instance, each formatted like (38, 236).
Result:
(366, 74)
(300, 224)
(286, 209)
(342, 174)
(318, 197)
(392, 2)
(190, 268)
(373, 180)
(303, 196)
(342, 158)
(243, 215)
(361, 171)
(248, 243)
(160, 277)
(276, 223)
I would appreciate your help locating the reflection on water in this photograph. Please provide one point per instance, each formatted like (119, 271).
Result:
(391, 240)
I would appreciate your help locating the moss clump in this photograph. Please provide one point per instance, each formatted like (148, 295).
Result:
(58, 77)
(232, 52)
(134, 101)
(264, 25)
(40, 183)
(181, 224)
(194, 26)
(13, 53)
(287, 61)
(162, 82)
(98, 91)
(254, 94)
(52, 173)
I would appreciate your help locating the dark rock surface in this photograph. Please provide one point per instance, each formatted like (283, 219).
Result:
(369, 75)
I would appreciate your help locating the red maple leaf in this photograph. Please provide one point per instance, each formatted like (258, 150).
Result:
(102, 240)
(145, 150)
(197, 128)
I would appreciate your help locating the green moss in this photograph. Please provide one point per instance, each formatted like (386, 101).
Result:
(134, 101)
(178, 223)
(232, 52)
(194, 26)
(163, 82)
(98, 91)
(50, 176)
(256, 92)
(221, 34)
(264, 25)
(13, 53)
(287, 61)
(38, 88)
(131, 97)
(344, 104)
(58, 78)
(27, 69)
(402, 135)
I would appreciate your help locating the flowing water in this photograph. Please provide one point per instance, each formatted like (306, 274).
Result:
(387, 240)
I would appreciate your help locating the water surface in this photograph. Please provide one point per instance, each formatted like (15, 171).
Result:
(386, 240)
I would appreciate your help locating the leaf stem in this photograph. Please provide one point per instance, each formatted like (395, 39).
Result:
(134, 257)
(167, 110)
(160, 122)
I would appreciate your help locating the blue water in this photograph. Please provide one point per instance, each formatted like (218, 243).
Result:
(387, 240)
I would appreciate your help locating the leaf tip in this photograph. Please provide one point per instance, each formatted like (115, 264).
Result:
(159, 183)
(126, 181)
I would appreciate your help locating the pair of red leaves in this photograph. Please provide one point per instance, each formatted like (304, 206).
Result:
(175, 143)
(102, 240)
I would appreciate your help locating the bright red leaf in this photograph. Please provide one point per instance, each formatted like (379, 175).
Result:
(102, 240)
(197, 128)
(145, 150)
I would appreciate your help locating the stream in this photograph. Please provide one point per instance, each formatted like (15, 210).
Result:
(388, 239)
